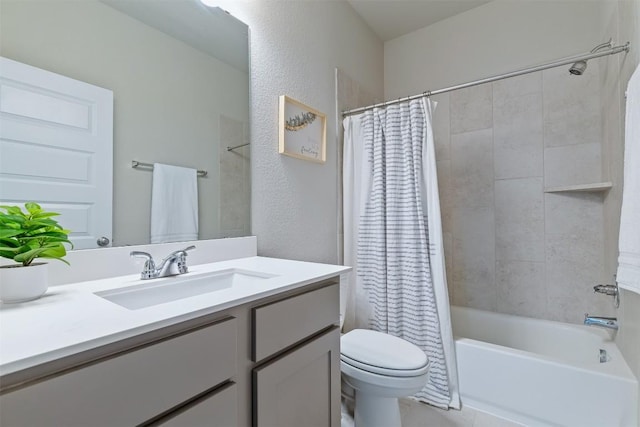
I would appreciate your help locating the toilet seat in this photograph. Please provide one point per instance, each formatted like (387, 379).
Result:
(382, 354)
(384, 371)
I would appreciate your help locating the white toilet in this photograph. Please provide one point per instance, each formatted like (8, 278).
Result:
(380, 368)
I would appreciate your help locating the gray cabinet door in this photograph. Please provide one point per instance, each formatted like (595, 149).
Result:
(302, 387)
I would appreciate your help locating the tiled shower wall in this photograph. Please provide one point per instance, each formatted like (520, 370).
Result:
(235, 179)
(510, 246)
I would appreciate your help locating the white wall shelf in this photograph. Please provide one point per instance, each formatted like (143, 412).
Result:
(596, 187)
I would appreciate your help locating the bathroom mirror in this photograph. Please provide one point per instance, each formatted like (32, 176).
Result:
(179, 75)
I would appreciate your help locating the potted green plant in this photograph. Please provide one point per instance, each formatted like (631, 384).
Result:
(25, 236)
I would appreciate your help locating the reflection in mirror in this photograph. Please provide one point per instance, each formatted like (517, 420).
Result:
(178, 71)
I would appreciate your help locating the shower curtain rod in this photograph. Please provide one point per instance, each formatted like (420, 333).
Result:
(558, 63)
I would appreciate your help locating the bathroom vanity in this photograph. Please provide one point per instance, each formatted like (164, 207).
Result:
(262, 351)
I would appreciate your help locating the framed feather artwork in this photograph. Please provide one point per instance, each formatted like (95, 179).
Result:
(302, 131)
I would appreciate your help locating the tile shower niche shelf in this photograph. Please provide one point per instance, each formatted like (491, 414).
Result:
(596, 187)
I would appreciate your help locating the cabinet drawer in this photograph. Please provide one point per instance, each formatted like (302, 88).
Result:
(216, 409)
(131, 387)
(281, 324)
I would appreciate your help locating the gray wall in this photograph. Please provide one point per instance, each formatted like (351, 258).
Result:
(497, 37)
(295, 48)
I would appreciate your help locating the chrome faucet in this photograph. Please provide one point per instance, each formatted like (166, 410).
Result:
(174, 263)
(605, 322)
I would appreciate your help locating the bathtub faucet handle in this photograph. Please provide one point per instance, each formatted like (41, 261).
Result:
(610, 290)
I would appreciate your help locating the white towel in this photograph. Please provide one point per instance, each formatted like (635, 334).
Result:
(628, 276)
(174, 204)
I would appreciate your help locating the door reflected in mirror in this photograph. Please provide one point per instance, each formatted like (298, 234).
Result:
(179, 75)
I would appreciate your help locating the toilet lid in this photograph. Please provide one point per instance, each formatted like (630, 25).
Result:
(376, 349)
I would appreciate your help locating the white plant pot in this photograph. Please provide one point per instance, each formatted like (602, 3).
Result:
(19, 283)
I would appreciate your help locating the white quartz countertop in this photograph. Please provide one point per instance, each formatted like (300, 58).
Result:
(70, 319)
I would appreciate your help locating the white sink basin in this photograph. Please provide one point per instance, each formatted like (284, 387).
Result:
(159, 291)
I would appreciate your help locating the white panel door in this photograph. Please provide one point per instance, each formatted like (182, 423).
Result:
(56, 148)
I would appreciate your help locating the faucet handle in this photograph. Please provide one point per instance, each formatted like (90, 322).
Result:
(141, 254)
(611, 290)
(149, 264)
(182, 264)
(180, 259)
(180, 252)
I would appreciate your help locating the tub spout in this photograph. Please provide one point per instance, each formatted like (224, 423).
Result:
(605, 322)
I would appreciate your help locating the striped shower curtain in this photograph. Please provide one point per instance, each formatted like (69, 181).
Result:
(393, 237)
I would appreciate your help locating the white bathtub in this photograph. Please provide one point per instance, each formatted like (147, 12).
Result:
(542, 373)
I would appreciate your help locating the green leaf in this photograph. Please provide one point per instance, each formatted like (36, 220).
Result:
(38, 223)
(8, 219)
(32, 207)
(45, 235)
(11, 250)
(13, 210)
(5, 254)
(54, 257)
(9, 232)
(26, 257)
(54, 251)
(45, 214)
(11, 243)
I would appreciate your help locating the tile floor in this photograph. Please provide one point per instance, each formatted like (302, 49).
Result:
(417, 414)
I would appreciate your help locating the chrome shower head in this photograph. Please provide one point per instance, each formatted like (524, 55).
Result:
(578, 68)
